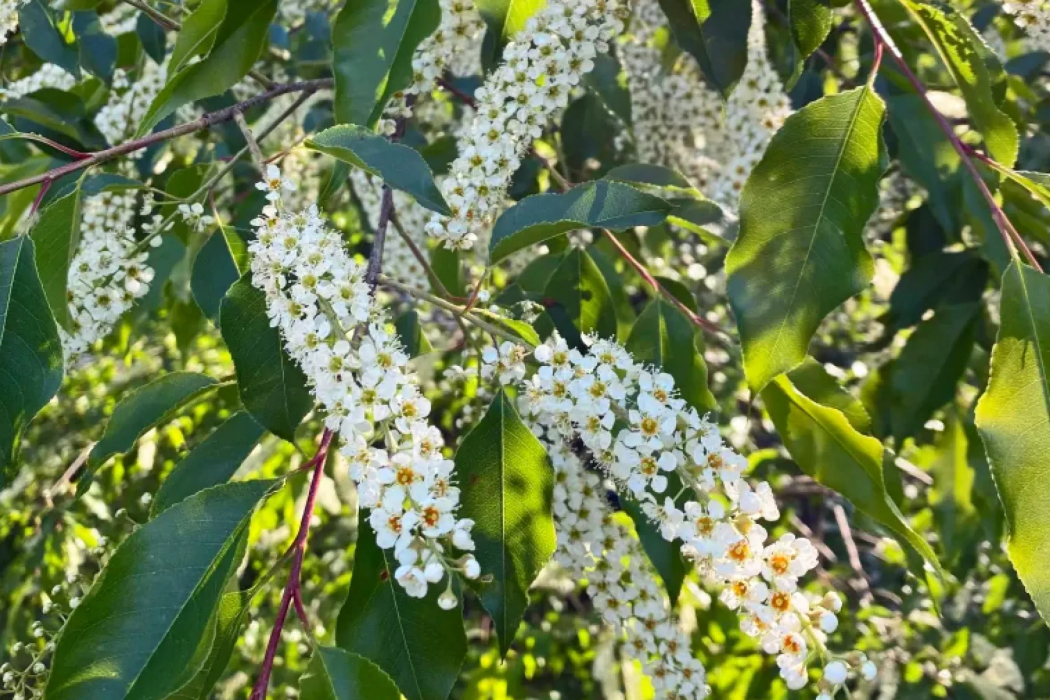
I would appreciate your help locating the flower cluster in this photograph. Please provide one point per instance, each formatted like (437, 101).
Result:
(631, 419)
(682, 123)
(318, 297)
(454, 47)
(9, 17)
(108, 273)
(128, 103)
(540, 67)
(1033, 16)
(593, 545)
(47, 76)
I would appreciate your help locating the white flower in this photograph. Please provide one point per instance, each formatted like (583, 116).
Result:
(836, 673)
(868, 670)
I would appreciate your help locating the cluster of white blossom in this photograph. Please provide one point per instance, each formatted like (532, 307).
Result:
(398, 260)
(681, 123)
(592, 545)
(318, 298)
(1033, 16)
(122, 19)
(107, 275)
(47, 76)
(631, 419)
(293, 12)
(540, 67)
(129, 101)
(9, 17)
(454, 48)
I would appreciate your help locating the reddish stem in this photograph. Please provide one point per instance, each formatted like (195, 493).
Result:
(44, 187)
(292, 591)
(1010, 235)
(463, 97)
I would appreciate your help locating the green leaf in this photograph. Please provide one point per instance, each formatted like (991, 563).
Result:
(810, 24)
(830, 450)
(373, 43)
(272, 387)
(933, 360)
(663, 336)
(508, 488)
(198, 33)
(400, 167)
(943, 277)
(146, 626)
(976, 70)
(577, 298)
(812, 380)
(97, 51)
(335, 674)
(45, 39)
(151, 36)
(953, 481)
(505, 18)
(217, 266)
(56, 236)
(645, 175)
(714, 32)
(233, 608)
(145, 408)
(238, 42)
(800, 252)
(210, 463)
(30, 350)
(600, 204)
(1013, 418)
(411, 334)
(417, 643)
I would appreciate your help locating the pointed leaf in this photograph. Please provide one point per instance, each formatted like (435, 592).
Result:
(599, 204)
(576, 295)
(56, 237)
(272, 387)
(413, 640)
(508, 487)
(45, 39)
(373, 43)
(663, 336)
(400, 167)
(210, 463)
(198, 33)
(335, 674)
(138, 632)
(233, 609)
(238, 42)
(800, 252)
(830, 450)
(715, 33)
(977, 72)
(30, 350)
(411, 334)
(216, 268)
(1013, 418)
(810, 24)
(505, 18)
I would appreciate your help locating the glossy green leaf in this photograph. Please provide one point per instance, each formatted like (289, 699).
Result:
(335, 674)
(146, 626)
(812, 380)
(145, 408)
(714, 32)
(600, 204)
(413, 640)
(97, 50)
(56, 236)
(953, 484)
(42, 35)
(505, 18)
(933, 360)
(830, 450)
(218, 265)
(663, 336)
(800, 252)
(810, 24)
(645, 175)
(238, 42)
(508, 487)
(411, 334)
(373, 42)
(229, 618)
(943, 277)
(976, 70)
(1013, 418)
(400, 167)
(198, 33)
(577, 298)
(272, 387)
(30, 350)
(151, 35)
(210, 463)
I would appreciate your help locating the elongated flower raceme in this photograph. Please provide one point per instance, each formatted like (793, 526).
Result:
(129, 101)
(47, 76)
(317, 296)
(631, 419)
(592, 545)
(540, 67)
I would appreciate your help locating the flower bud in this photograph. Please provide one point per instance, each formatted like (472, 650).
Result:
(836, 672)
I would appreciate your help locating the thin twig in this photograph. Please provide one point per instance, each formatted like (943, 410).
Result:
(375, 260)
(851, 549)
(439, 286)
(253, 145)
(204, 122)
